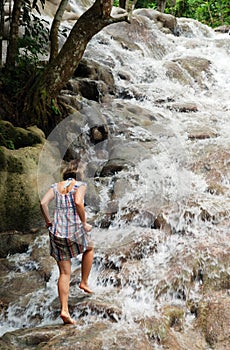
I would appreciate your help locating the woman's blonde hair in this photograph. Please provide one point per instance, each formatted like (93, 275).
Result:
(73, 170)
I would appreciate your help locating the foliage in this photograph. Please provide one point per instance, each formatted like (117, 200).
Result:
(212, 12)
(146, 4)
(34, 40)
(30, 48)
(36, 34)
(18, 78)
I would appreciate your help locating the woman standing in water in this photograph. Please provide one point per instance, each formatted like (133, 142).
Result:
(69, 233)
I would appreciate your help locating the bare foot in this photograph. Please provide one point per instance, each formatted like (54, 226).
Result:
(67, 319)
(85, 288)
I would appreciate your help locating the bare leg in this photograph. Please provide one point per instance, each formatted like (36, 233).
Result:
(63, 290)
(87, 260)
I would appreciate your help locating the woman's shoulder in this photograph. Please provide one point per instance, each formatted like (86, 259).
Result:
(80, 183)
(54, 185)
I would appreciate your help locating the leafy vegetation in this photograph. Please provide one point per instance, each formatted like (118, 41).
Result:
(29, 48)
(212, 12)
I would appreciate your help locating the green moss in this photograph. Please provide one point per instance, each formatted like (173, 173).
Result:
(202, 313)
(15, 137)
(3, 161)
(14, 165)
(156, 329)
(5, 135)
(173, 316)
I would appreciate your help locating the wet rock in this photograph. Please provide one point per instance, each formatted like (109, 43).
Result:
(213, 317)
(92, 337)
(222, 29)
(14, 242)
(204, 266)
(131, 338)
(165, 22)
(108, 277)
(132, 36)
(213, 163)
(112, 167)
(40, 255)
(183, 107)
(156, 329)
(129, 153)
(135, 248)
(100, 308)
(161, 223)
(217, 189)
(90, 89)
(22, 284)
(200, 211)
(23, 274)
(189, 339)
(92, 80)
(174, 316)
(98, 134)
(202, 134)
(186, 28)
(175, 72)
(196, 67)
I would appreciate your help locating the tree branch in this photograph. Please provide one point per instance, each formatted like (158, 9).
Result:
(54, 45)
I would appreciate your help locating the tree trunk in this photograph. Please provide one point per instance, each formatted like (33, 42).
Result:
(122, 3)
(1, 29)
(54, 45)
(12, 48)
(128, 5)
(161, 4)
(40, 99)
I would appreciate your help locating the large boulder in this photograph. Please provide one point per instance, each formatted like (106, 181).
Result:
(19, 208)
(165, 22)
(19, 205)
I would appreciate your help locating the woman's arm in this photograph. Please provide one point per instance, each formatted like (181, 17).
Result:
(79, 202)
(44, 205)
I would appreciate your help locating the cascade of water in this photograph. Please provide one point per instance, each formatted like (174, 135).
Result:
(168, 179)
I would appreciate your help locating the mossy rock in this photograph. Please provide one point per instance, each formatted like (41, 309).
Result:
(19, 206)
(213, 316)
(174, 316)
(155, 329)
(15, 137)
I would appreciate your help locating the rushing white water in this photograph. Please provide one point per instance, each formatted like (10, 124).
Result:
(166, 180)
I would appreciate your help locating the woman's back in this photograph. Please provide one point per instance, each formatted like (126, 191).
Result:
(67, 223)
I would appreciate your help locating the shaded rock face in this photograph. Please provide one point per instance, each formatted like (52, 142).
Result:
(18, 188)
(18, 169)
(95, 80)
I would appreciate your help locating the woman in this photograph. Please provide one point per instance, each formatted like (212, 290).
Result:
(69, 233)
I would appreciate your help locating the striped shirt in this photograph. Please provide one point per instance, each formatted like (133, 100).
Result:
(66, 223)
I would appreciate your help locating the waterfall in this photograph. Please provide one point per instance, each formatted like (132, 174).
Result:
(182, 132)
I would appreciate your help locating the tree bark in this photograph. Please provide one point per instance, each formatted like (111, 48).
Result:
(161, 4)
(54, 45)
(40, 99)
(12, 48)
(62, 68)
(122, 3)
(1, 29)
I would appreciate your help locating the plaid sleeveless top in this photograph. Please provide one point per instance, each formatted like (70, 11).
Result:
(66, 223)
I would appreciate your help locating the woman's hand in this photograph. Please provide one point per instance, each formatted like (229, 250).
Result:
(49, 224)
(87, 227)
